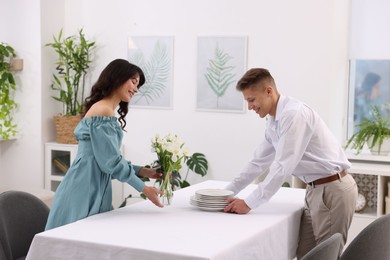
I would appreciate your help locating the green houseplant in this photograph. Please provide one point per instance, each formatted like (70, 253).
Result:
(7, 86)
(372, 131)
(73, 63)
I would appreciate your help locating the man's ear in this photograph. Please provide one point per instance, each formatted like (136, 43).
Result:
(269, 90)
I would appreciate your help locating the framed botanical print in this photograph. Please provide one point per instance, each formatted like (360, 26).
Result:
(154, 55)
(221, 63)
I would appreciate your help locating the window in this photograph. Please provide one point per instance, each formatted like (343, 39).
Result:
(369, 85)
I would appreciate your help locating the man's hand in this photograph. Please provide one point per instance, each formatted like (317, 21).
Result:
(237, 206)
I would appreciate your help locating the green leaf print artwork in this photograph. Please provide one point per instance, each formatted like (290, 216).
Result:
(157, 71)
(219, 74)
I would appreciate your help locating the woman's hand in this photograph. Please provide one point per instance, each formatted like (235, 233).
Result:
(152, 194)
(151, 173)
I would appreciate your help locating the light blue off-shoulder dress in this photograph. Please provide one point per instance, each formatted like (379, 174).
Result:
(86, 188)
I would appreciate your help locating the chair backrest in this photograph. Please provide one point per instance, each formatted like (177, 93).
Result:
(373, 242)
(22, 215)
(326, 250)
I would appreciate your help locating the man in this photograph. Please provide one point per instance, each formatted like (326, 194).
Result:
(297, 142)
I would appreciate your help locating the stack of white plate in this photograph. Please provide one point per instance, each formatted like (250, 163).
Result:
(211, 199)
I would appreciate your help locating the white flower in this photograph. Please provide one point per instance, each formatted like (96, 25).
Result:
(174, 158)
(156, 140)
(170, 145)
(167, 146)
(186, 152)
(176, 151)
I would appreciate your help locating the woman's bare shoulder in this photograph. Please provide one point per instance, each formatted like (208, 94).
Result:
(100, 109)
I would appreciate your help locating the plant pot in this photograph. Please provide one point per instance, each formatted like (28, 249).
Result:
(65, 126)
(385, 147)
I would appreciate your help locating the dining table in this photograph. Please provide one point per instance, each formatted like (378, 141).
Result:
(180, 231)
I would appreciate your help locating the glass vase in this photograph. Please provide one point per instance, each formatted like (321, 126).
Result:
(166, 187)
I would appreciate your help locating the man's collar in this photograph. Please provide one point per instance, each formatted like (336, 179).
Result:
(280, 106)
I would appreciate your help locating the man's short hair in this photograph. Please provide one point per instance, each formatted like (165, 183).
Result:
(253, 77)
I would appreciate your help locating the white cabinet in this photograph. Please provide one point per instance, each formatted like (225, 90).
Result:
(58, 158)
(372, 175)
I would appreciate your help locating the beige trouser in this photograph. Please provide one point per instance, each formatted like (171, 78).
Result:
(329, 209)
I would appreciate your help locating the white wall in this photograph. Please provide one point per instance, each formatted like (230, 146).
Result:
(303, 43)
(21, 159)
(52, 21)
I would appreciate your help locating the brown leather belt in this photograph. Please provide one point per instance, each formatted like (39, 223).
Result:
(337, 176)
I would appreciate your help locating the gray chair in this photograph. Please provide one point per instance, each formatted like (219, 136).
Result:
(326, 250)
(373, 242)
(22, 215)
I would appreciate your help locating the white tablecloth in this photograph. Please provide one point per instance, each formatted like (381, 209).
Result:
(180, 231)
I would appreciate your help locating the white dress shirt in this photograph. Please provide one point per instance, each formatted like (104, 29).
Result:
(297, 142)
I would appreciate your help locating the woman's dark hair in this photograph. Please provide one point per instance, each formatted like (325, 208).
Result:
(370, 80)
(112, 77)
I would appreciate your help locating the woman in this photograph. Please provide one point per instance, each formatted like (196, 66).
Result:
(369, 95)
(86, 188)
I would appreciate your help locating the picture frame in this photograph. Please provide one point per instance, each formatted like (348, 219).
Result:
(154, 55)
(221, 62)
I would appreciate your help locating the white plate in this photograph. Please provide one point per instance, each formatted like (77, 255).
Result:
(210, 209)
(221, 202)
(214, 193)
(208, 206)
(209, 198)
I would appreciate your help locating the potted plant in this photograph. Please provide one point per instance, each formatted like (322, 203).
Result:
(172, 155)
(73, 63)
(374, 131)
(7, 86)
